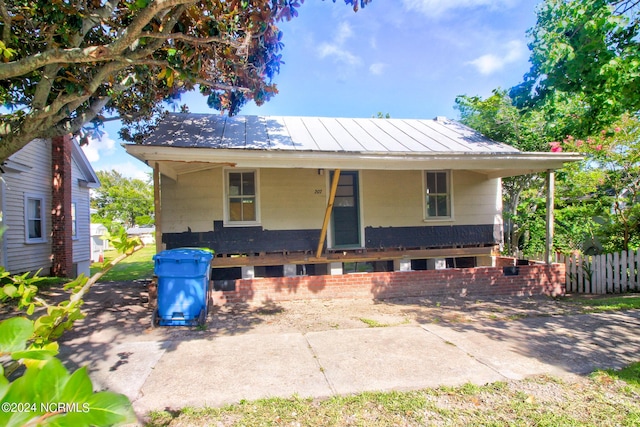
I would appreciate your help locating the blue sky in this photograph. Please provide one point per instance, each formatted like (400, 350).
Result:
(408, 58)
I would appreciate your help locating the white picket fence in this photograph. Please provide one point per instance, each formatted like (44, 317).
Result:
(604, 274)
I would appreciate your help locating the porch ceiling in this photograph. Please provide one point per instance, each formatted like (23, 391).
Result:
(185, 143)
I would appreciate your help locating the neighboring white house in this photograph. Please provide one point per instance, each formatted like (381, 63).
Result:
(147, 235)
(44, 199)
(98, 243)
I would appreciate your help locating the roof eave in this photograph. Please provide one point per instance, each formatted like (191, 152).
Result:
(491, 163)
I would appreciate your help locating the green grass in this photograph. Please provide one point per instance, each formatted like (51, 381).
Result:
(375, 324)
(607, 398)
(597, 305)
(137, 266)
(629, 374)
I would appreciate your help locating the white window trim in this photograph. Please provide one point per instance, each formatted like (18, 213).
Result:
(74, 205)
(450, 217)
(225, 202)
(43, 200)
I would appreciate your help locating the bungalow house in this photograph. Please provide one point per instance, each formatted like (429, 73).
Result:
(44, 199)
(308, 196)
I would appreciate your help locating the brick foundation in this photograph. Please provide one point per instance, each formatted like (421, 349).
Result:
(537, 279)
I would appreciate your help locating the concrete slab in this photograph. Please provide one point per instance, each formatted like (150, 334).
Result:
(393, 358)
(552, 345)
(122, 368)
(229, 369)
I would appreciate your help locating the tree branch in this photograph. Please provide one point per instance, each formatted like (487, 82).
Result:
(6, 19)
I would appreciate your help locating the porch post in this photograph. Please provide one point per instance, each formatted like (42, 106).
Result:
(156, 206)
(550, 216)
(327, 214)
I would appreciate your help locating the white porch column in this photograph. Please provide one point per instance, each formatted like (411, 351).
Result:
(551, 183)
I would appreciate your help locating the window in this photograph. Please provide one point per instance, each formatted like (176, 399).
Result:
(34, 218)
(242, 197)
(74, 221)
(438, 194)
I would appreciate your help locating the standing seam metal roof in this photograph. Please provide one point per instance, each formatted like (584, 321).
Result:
(323, 134)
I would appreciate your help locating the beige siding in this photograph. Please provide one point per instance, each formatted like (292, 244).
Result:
(288, 199)
(193, 201)
(296, 199)
(395, 198)
(292, 199)
(20, 255)
(476, 199)
(391, 198)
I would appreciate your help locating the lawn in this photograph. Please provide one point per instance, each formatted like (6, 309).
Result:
(135, 267)
(606, 398)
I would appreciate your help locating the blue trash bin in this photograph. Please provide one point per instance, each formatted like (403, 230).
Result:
(183, 286)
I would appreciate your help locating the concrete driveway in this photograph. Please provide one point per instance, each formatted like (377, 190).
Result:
(196, 368)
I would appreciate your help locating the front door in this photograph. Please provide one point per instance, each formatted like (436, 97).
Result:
(346, 213)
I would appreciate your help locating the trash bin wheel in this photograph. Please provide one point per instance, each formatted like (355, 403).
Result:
(202, 317)
(155, 321)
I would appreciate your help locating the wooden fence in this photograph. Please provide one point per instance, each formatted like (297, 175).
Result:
(603, 274)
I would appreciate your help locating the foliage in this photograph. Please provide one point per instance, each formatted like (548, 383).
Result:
(585, 70)
(610, 174)
(121, 200)
(586, 52)
(46, 393)
(66, 64)
(497, 118)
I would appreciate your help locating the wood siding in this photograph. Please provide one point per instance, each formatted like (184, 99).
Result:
(292, 204)
(22, 256)
(395, 199)
(193, 201)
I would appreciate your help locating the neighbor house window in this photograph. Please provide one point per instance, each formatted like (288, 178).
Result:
(438, 194)
(242, 197)
(34, 218)
(74, 221)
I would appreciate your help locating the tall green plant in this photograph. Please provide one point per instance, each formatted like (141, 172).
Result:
(46, 394)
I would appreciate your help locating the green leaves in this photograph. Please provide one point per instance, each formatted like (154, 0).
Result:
(14, 333)
(584, 49)
(50, 396)
(46, 394)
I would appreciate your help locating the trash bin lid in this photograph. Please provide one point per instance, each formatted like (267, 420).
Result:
(184, 254)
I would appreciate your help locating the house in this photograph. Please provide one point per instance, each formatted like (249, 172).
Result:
(98, 243)
(44, 198)
(147, 235)
(305, 196)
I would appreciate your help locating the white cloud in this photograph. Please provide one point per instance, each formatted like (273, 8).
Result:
(98, 147)
(337, 51)
(377, 69)
(132, 170)
(437, 8)
(490, 63)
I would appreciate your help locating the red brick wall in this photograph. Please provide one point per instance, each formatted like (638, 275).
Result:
(61, 246)
(536, 279)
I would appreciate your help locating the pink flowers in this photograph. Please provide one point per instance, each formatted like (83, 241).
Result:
(555, 147)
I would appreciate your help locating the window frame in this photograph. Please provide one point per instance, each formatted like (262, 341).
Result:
(27, 218)
(227, 198)
(74, 221)
(448, 194)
